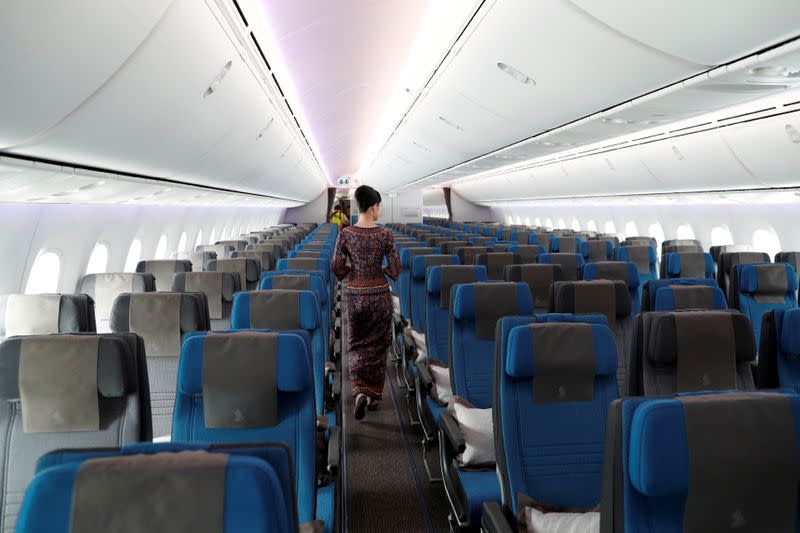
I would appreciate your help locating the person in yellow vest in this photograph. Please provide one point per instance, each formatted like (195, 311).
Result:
(338, 217)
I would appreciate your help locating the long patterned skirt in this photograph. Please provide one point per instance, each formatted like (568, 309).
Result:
(369, 337)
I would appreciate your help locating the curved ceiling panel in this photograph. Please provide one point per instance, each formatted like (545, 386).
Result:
(54, 70)
(712, 32)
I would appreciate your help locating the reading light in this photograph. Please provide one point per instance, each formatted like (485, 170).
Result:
(212, 87)
(516, 74)
(451, 123)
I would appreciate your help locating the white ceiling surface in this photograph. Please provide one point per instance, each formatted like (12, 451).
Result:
(584, 57)
(345, 58)
(121, 87)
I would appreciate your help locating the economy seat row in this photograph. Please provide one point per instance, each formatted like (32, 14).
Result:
(269, 379)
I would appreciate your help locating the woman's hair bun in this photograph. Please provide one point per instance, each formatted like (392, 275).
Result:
(366, 197)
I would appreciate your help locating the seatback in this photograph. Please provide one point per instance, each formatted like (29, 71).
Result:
(763, 288)
(637, 240)
(248, 270)
(164, 270)
(690, 351)
(263, 258)
(439, 284)
(496, 263)
(41, 314)
(716, 251)
(161, 319)
(644, 257)
(554, 384)
(250, 239)
(689, 296)
(606, 297)
(404, 280)
(481, 241)
(793, 258)
(275, 249)
(314, 254)
(255, 496)
(539, 278)
(725, 267)
(670, 245)
(276, 406)
(541, 238)
(565, 245)
(468, 254)
(597, 250)
(709, 462)
(528, 253)
(651, 287)
(237, 244)
(476, 309)
(280, 242)
(286, 310)
(223, 251)
(105, 288)
(219, 288)
(689, 265)
(63, 391)
(571, 263)
(779, 350)
(419, 270)
(448, 247)
(199, 260)
(617, 271)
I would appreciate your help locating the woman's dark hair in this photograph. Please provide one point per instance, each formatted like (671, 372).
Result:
(366, 197)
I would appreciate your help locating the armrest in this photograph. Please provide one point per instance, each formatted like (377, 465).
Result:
(424, 375)
(452, 431)
(494, 519)
(334, 449)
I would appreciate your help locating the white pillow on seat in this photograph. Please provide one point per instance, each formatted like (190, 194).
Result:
(478, 430)
(441, 391)
(539, 522)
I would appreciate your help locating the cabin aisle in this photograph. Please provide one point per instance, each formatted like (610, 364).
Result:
(387, 488)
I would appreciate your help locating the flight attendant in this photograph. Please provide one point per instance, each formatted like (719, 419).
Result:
(369, 302)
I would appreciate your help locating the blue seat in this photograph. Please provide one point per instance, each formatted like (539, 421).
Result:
(619, 271)
(528, 253)
(286, 310)
(419, 271)
(763, 288)
(651, 288)
(597, 250)
(643, 256)
(571, 263)
(306, 264)
(313, 281)
(440, 282)
(405, 274)
(663, 458)
(779, 353)
(258, 481)
(689, 265)
(477, 308)
(687, 296)
(291, 398)
(554, 385)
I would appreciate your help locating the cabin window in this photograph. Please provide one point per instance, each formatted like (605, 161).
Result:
(199, 240)
(685, 231)
(765, 240)
(537, 221)
(161, 248)
(211, 237)
(528, 221)
(631, 230)
(610, 228)
(657, 232)
(98, 261)
(561, 224)
(721, 236)
(134, 255)
(182, 242)
(548, 223)
(591, 225)
(509, 220)
(44, 274)
(576, 225)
